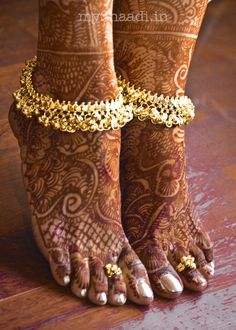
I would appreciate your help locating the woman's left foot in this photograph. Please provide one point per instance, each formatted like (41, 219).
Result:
(158, 216)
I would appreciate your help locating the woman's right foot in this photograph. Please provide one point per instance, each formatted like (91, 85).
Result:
(72, 180)
(73, 188)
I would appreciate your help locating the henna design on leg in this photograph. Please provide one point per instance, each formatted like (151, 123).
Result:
(75, 54)
(158, 216)
(72, 180)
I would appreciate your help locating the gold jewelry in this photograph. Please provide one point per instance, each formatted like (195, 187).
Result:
(112, 270)
(160, 109)
(67, 116)
(186, 262)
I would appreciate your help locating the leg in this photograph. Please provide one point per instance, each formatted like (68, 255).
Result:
(158, 216)
(72, 180)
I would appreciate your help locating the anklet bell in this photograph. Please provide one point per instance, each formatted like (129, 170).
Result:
(160, 109)
(67, 116)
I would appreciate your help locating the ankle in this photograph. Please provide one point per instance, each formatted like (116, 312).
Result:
(72, 78)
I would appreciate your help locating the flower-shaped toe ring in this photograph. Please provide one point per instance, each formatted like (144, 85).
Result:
(186, 262)
(112, 270)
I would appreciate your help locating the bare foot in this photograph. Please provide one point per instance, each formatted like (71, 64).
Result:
(72, 182)
(158, 216)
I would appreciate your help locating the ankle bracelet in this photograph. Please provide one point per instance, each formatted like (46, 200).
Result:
(67, 116)
(160, 109)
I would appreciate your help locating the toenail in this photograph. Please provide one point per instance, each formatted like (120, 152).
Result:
(171, 283)
(212, 264)
(144, 289)
(102, 298)
(120, 299)
(200, 280)
(66, 279)
(208, 270)
(83, 292)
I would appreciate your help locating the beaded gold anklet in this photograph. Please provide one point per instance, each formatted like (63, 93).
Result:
(104, 115)
(160, 109)
(67, 116)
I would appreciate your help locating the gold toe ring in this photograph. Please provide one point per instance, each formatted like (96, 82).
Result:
(186, 262)
(112, 270)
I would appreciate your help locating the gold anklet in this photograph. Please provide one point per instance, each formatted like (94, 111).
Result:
(160, 109)
(67, 116)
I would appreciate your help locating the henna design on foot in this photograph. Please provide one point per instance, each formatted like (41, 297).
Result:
(73, 188)
(72, 180)
(159, 219)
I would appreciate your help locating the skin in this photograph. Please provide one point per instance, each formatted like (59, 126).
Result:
(158, 216)
(72, 180)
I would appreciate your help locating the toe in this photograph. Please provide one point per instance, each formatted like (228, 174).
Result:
(137, 283)
(207, 269)
(59, 261)
(165, 281)
(80, 281)
(98, 286)
(204, 242)
(192, 278)
(117, 290)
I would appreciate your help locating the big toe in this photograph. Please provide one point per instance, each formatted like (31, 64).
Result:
(165, 281)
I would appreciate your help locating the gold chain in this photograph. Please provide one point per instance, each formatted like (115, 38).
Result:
(67, 116)
(104, 115)
(160, 109)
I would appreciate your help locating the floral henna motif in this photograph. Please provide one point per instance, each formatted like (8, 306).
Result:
(72, 181)
(155, 52)
(158, 216)
(69, 187)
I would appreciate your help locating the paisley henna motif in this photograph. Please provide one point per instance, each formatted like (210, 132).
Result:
(73, 187)
(67, 184)
(158, 216)
(72, 180)
(156, 54)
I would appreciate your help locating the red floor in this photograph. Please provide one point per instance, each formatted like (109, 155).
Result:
(29, 297)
